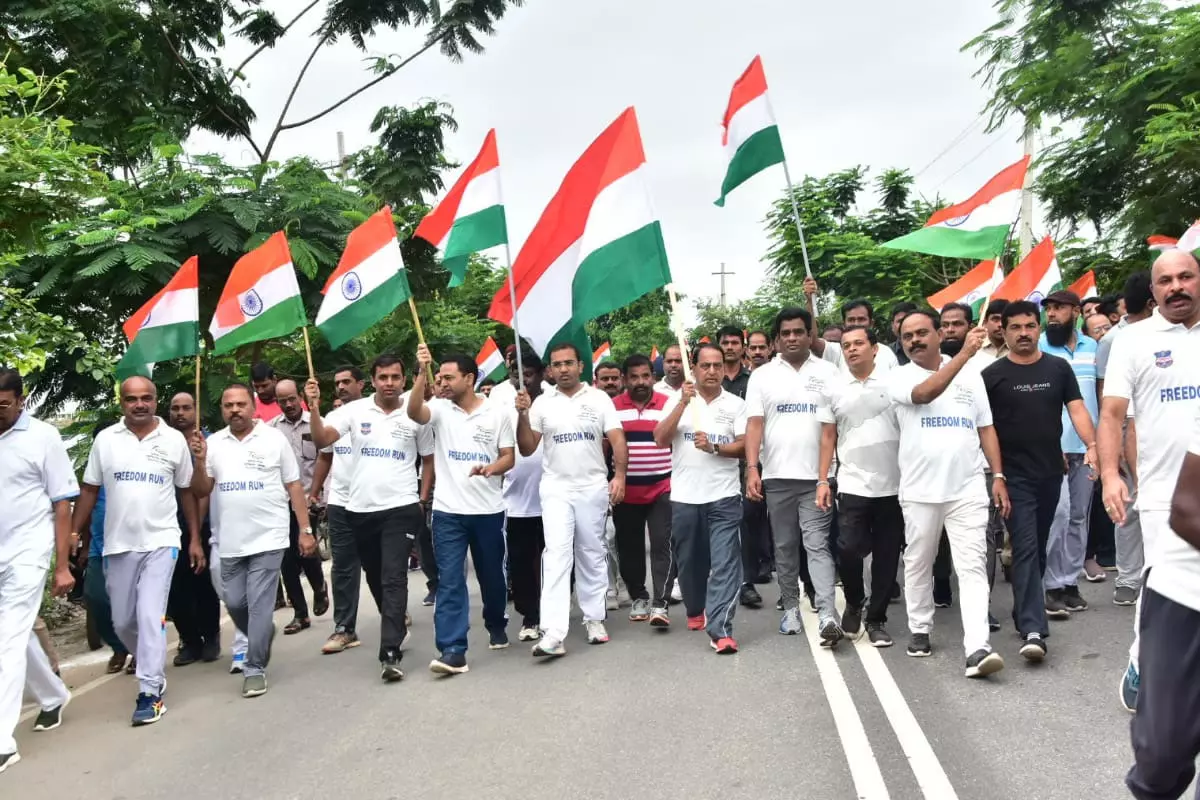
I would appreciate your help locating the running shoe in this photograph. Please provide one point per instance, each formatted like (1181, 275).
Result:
(982, 663)
(640, 612)
(1034, 648)
(497, 639)
(697, 622)
(550, 648)
(789, 624)
(877, 635)
(149, 709)
(1130, 682)
(529, 633)
(724, 646)
(449, 664)
(596, 632)
(918, 645)
(340, 641)
(49, 720)
(389, 667)
(254, 686)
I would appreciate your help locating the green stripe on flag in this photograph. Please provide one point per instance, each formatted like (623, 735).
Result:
(762, 150)
(366, 311)
(471, 234)
(160, 343)
(278, 320)
(939, 240)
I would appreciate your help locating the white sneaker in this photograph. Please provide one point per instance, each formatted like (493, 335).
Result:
(596, 632)
(549, 647)
(528, 634)
(611, 603)
(238, 664)
(676, 595)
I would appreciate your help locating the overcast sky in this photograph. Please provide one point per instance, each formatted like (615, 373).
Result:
(875, 83)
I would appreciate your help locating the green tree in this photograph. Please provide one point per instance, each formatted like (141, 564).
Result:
(643, 324)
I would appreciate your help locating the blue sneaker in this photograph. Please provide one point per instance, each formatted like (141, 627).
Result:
(1130, 682)
(149, 709)
(498, 639)
(238, 664)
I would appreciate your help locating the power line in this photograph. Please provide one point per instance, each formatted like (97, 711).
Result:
(957, 140)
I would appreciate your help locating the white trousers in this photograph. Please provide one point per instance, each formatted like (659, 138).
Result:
(23, 662)
(965, 522)
(240, 642)
(574, 530)
(1155, 527)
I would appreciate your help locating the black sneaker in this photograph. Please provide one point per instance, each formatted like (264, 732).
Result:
(187, 655)
(877, 635)
(812, 598)
(389, 667)
(49, 720)
(449, 664)
(852, 621)
(1034, 649)
(779, 604)
(1073, 600)
(749, 596)
(982, 663)
(211, 651)
(831, 634)
(1056, 607)
(918, 645)
(8, 759)
(993, 623)
(943, 595)
(430, 598)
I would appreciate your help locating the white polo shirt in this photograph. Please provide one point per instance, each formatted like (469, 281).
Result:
(1176, 572)
(249, 475)
(463, 441)
(504, 394)
(1155, 365)
(885, 359)
(35, 473)
(939, 441)
(793, 404)
(139, 479)
(342, 466)
(662, 387)
(386, 449)
(698, 477)
(868, 436)
(573, 431)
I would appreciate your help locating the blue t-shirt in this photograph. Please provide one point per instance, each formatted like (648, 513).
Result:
(1083, 363)
(96, 545)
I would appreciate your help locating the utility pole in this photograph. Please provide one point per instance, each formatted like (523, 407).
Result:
(341, 151)
(1026, 230)
(723, 273)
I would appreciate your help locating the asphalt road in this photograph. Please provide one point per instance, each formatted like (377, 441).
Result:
(649, 713)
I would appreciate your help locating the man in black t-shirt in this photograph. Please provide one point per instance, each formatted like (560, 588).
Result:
(1027, 390)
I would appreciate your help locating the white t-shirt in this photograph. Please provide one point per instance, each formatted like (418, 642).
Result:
(793, 403)
(662, 387)
(249, 476)
(342, 467)
(939, 441)
(1176, 572)
(698, 477)
(463, 441)
(885, 359)
(139, 479)
(504, 394)
(36, 473)
(1155, 365)
(868, 445)
(573, 431)
(387, 447)
(522, 483)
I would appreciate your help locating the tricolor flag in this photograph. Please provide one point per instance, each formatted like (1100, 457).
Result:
(1085, 287)
(974, 288)
(977, 228)
(751, 137)
(597, 247)
(369, 282)
(654, 354)
(471, 217)
(1190, 240)
(1159, 243)
(490, 362)
(603, 353)
(1034, 278)
(261, 299)
(167, 326)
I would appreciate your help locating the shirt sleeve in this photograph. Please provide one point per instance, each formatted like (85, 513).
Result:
(57, 470)
(669, 406)
(610, 419)
(536, 419)
(504, 432)
(289, 468)
(739, 421)
(900, 385)
(425, 440)
(93, 473)
(183, 463)
(754, 396)
(340, 421)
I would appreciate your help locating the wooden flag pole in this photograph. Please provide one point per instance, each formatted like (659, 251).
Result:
(683, 352)
(308, 353)
(787, 176)
(412, 306)
(512, 296)
(197, 391)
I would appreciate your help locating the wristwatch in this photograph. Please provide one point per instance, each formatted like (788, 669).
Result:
(307, 530)
(999, 476)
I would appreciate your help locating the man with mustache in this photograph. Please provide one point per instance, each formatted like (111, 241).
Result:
(1028, 391)
(996, 346)
(672, 371)
(944, 419)
(1153, 372)
(140, 462)
(253, 470)
(1067, 549)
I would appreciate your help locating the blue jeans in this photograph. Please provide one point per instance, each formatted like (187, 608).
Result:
(453, 534)
(708, 549)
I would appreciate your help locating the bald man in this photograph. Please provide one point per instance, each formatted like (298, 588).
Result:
(293, 423)
(141, 462)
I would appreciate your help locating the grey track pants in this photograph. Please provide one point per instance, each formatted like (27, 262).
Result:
(249, 583)
(138, 585)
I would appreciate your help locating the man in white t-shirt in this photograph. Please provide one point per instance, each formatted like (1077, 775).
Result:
(140, 462)
(1166, 740)
(672, 371)
(858, 313)
(383, 508)
(252, 470)
(705, 427)
(35, 493)
(944, 418)
(472, 449)
(1152, 374)
(524, 532)
(787, 414)
(572, 421)
(869, 516)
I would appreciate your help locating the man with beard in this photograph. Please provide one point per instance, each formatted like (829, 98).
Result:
(253, 470)
(1029, 391)
(996, 346)
(262, 378)
(786, 418)
(193, 604)
(647, 502)
(758, 547)
(944, 420)
(672, 371)
(140, 462)
(383, 508)
(1152, 371)
(1067, 548)
(572, 420)
(735, 376)
(294, 423)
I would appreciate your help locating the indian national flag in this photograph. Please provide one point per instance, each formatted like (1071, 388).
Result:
(1085, 287)
(1190, 240)
(751, 137)
(974, 288)
(490, 362)
(261, 299)
(597, 247)
(602, 353)
(1159, 243)
(977, 228)
(471, 217)
(1034, 278)
(369, 282)
(654, 354)
(167, 326)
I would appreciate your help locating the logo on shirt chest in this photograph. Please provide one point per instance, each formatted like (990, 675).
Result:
(964, 396)
(1163, 359)
(723, 418)
(588, 414)
(401, 432)
(365, 429)
(157, 455)
(481, 435)
(256, 461)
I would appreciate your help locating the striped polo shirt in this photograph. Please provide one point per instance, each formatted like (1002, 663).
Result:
(649, 474)
(1083, 361)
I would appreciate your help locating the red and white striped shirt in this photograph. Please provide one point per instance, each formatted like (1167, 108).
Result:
(649, 475)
